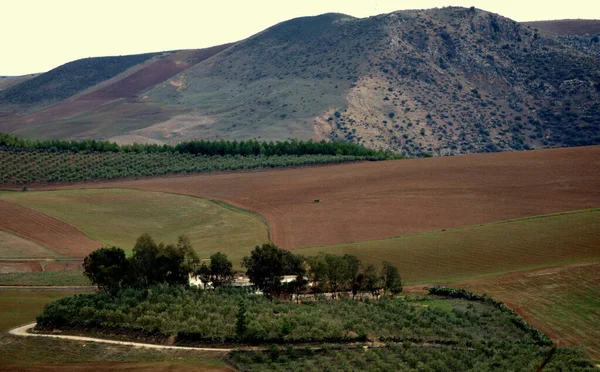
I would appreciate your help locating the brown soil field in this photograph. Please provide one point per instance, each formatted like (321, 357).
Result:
(377, 200)
(562, 301)
(50, 232)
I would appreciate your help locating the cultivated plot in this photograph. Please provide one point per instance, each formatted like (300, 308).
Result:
(368, 201)
(491, 249)
(118, 217)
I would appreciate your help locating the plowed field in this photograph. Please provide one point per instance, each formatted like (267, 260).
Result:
(50, 232)
(369, 201)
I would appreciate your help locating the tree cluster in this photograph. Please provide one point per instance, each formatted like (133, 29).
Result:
(203, 147)
(150, 264)
(326, 273)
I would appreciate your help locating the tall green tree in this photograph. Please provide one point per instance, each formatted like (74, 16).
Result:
(159, 263)
(108, 268)
(218, 272)
(266, 266)
(372, 280)
(392, 281)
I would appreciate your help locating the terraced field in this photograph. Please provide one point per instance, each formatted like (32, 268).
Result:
(117, 217)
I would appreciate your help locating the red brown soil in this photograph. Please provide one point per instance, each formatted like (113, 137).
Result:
(376, 200)
(48, 231)
(128, 87)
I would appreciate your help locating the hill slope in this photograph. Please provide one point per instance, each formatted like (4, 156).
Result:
(442, 81)
(446, 81)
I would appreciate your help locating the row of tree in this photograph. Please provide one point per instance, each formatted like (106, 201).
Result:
(266, 266)
(203, 147)
(324, 273)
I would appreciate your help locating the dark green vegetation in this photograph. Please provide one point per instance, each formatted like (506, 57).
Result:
(150, 264)
(205, 316)
(69, 79)
(25, 161)
(410, 357)
(424, 333)
(41, 167)
(39, 354)
(326, 273)
(202, 147)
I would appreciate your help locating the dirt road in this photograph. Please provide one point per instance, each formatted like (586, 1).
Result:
(23, 331)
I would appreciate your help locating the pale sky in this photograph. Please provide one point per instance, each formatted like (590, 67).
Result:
(38, 35)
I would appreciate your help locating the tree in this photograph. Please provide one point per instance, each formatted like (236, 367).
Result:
(392, 282)
(372, 280)
(145, 252)
(241, 324)
(352, 271)
(108, 268)
(219, 272)
(266, 265)
(158, 263)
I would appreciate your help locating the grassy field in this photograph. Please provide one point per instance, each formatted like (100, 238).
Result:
(479, 251)
(563, 301)
(117, 217)
(22, 306)
(34, 354)
(13, 246)
(61, 278)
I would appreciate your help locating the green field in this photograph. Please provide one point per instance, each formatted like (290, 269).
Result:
(118, 217)
(485, 250)
(38, 354)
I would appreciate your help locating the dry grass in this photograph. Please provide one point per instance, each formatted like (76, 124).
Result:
(13, 246)
(563, 301)
(478, 251)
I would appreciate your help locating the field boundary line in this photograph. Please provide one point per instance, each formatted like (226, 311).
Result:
(23, 332)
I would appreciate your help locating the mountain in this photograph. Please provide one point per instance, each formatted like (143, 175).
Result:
(441, 81)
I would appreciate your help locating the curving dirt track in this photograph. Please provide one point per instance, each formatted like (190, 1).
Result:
(24, 332)
(48, 231)
(376, 200)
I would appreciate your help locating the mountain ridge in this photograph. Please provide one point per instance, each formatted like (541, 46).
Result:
(442, 81)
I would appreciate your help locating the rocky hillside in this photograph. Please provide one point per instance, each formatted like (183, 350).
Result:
(440, 81)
